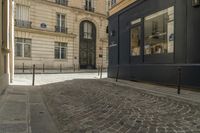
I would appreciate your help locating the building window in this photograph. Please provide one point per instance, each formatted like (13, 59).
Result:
(135, 40)
(89, 5)
(60, 23)
(113, 2)
(159, 32)
(87, 30)
(22, 16)
(60, 50)
(62, 2)
(22, 47)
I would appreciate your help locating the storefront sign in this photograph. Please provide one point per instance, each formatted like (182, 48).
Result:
(113, 45)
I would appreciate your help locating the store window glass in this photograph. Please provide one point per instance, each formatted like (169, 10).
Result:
(159, 32)
(135, 41)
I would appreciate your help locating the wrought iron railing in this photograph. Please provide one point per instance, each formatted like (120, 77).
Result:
(61, 29)
(62, 2)
(89, 8)
(22, 23)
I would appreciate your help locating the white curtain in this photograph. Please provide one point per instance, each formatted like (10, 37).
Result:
(22, 12)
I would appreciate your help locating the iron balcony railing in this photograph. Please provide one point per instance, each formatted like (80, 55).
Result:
(22, 23)
(89, 8)
(61, 29)
(62, 2)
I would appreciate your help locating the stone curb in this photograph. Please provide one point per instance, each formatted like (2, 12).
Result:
(174, 96)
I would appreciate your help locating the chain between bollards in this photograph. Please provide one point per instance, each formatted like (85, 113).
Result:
(179, 81)
(33, 83)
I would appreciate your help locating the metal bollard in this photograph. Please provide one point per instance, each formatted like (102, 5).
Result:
(101, 71)
(74, 68)
(117, 76)
(98, 70)
(60, 67)
(43, 68)
(179, 81)
(23, 67)
(33, 83)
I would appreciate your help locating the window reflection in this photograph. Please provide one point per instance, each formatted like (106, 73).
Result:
(159, 32)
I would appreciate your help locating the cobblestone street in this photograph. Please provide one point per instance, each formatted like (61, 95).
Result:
(98, 106)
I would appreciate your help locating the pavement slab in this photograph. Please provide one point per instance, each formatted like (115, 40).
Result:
(22, 110)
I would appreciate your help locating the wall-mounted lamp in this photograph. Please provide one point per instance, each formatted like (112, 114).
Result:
(195, 3)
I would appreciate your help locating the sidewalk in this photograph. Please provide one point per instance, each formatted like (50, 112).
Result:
(22, 111)
(186, 95)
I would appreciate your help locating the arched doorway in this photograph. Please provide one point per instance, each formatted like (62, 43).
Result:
(87, 48)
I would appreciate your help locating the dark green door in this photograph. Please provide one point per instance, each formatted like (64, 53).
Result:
(87, 51)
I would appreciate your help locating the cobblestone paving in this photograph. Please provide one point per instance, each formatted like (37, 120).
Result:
(95, 106)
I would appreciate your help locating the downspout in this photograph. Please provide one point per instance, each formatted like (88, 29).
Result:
(12, 43)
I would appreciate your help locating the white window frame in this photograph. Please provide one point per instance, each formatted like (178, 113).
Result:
(88, 5)
(21, 14)
(60, 20)
(59, 46)
(87, 34)
(23, 43)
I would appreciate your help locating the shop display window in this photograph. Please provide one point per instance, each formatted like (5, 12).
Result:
(135, 41)
(159, 32)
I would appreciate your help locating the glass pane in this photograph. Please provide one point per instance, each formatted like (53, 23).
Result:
(159, 32)
(57, 53)
(135, 41)
(89, 31)
(27, 50)
(58, 19)
(18, 50)
(63, 53)
(63, 20)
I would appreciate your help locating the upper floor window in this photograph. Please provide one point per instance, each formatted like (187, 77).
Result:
(22, 47)
(60, 23)
(87, 29)
(22, 18)
(62, 2)
(159, 32)
(89, 5)
(113, 2)
(60, 50)
(22, 12)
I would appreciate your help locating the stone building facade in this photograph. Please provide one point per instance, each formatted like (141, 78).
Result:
(67, 33)
(6, 43)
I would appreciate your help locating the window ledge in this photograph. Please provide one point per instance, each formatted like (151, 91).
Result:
(60, 59)
(23, 58)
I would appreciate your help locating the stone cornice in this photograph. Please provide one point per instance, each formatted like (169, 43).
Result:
(73, 9)
(45, 32)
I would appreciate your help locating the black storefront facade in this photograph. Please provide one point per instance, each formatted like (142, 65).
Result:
(150, 40)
